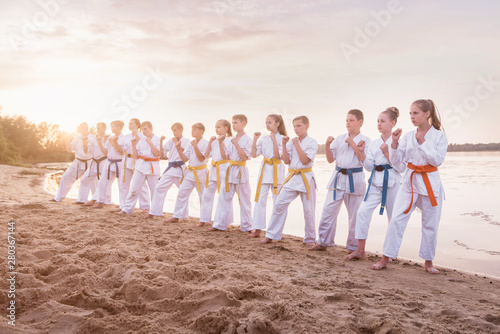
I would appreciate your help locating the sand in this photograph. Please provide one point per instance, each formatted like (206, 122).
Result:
(90, 271)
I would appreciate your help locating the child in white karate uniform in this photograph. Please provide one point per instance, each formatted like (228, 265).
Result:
(195, 174)
(237, 180)
(83, 146)
(174, 171)
(217, 150)
(347, 183)
(146, 152)
(299, 154)
(129, 162)
(424, 150)
(92, 176)
(113, 168)
(383, 183)
(272, 171)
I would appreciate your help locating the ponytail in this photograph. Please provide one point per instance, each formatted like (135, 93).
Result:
(227, 125)
(428, 105)
(281, 127)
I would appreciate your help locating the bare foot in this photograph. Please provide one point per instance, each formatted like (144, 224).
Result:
(266, 241)
(77, 203)
(89, 203)
(97, 206)
(118, 210)
(148, 216)
(172, 220)
(430, 268)
(309, 244)
(381, 264)
(120, 213)
(359, 255)
(213, 229)
(317, 247)
(201, 224)
(52, 200)
(254, 234)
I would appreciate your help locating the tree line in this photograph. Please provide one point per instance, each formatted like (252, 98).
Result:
(22, 141)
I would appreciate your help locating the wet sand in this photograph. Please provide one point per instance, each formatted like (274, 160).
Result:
(90, 271)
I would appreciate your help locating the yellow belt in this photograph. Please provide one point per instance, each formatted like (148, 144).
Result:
(125, 165)
(239, 164)
(301, 172)
(234, 163)
(195, 169)
(216, 165)
(274, 163)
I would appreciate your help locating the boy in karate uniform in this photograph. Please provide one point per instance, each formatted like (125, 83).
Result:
(113, 167)
(83, 146)
(173, 173)
(347, 183)
(146, 152)
(196, 174)
(92, 176)
(299, 155)
(129, 161)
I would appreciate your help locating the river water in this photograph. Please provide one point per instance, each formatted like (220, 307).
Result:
(469, 230)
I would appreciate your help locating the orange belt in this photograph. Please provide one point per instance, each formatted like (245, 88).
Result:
(150, 161)
(422, 170)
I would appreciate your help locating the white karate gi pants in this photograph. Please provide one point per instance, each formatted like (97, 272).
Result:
(105, 185)
(68, 178)
(259, 209)
(207, 201)
(328, 221)
(367, 207)
(182, 203)
(160, 193)
(125, 188)
(280, 211)
(224, 212)
(430, 222)
(136, 186)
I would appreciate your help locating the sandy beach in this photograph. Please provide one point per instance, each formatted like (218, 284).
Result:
(90, 271)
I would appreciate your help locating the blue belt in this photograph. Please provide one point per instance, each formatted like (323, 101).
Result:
(172, 164)
(380, 168)
(349, 172)
(114, 161)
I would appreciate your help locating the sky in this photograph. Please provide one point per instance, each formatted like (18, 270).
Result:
(66, 61)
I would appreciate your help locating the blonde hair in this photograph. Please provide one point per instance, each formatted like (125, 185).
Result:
(304, 119)
(241, 118)
(227, 125)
